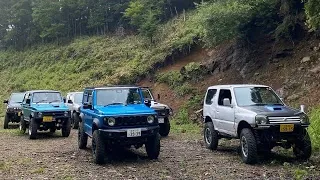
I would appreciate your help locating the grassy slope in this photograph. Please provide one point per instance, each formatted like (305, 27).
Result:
(89, 61)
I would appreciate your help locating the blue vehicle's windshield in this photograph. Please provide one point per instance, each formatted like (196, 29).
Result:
(16, 97)
(118, 96)
(46, 97)
(78, 98)
(256, 96)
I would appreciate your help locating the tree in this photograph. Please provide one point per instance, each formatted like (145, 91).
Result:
(312, 8)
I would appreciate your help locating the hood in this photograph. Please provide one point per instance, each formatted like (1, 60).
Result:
(50, 107)
(271, 110)
(14, 105)
(156, 105)
(117, 110)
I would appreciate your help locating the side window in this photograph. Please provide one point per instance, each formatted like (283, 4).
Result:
(211, 93)
(89, 97)
(85, 97)
(25, 98)
(224, 93)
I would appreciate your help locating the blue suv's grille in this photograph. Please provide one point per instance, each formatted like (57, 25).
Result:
(131, 121)
(61, 113)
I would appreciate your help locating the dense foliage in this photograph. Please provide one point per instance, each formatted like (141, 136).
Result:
(26, 22)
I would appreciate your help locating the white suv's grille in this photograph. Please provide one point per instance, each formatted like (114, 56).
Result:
(284, 120)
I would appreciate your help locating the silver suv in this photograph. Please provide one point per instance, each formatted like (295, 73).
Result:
(74, 102)
(163, 111)
(258, 117)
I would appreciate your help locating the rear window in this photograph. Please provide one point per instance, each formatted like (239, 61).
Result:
(211, 93)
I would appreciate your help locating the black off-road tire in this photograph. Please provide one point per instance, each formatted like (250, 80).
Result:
(164, 128)
(153, 146)
(22, 125)
(33, 129)
(248, 146)
(302, 148)
(6, 122)
(210, 135)
(98, 148)
(82, 137)
(66, 128)
(75, 120)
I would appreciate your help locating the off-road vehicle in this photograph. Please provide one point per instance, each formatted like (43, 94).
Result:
(258, 117)
(44, 110)
(74, 101)
(117, 116)
(13, 110)
(163, 111)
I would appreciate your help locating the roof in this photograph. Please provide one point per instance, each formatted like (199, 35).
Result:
(237, 86)
(113, 86)
(77, 92)
(42, 91)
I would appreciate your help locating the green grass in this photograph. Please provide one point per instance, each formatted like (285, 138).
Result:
(314, 129)
(39, 170)
(190, 128)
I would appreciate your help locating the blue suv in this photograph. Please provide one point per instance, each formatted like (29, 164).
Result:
(117, 116)
(44, 110)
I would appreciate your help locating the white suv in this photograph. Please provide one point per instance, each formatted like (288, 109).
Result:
(258, 117)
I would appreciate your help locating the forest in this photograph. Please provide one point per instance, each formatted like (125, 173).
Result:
(24, 23)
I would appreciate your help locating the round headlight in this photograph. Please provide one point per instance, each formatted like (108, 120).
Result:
(260, 119)
(150, 119)
(304, 119)
(66, 113)
(111, 121)
(39, 114)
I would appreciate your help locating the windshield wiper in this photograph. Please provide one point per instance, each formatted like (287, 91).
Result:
(54, 101)
(41, 101)
(113, 104)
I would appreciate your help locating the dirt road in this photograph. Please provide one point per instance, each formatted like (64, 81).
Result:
(54, 157)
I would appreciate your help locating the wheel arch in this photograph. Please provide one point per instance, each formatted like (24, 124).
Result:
(242, 124)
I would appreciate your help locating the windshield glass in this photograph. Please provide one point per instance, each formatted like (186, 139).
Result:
(46, 97)
(250, 96)
(78, 98)
(16, 98)
(118, 96)
(146, 94)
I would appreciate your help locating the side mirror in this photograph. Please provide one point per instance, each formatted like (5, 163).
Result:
(159, 97)
(226, 102)
(87, 106)
(70, 101)
(303, 108)
(5, 101)
(28, 101)
(147, 102)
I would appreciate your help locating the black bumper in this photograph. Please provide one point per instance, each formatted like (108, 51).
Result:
(272, 133)
(119, 136)
(55, 120)
(14, 116)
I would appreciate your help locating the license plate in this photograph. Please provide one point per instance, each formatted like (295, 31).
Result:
(19, 114)
(47, 119)
(133, 132)
(286, 127)
(161, 120)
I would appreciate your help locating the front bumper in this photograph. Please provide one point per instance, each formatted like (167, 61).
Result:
(14, 115)
(272, 133)
(119, 136)
(55, 119)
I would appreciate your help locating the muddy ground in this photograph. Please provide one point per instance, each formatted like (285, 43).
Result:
(183, 156)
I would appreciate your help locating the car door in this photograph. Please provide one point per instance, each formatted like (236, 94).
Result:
(209, 106)
(26, 108)
(225, 114)
(88, 113)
